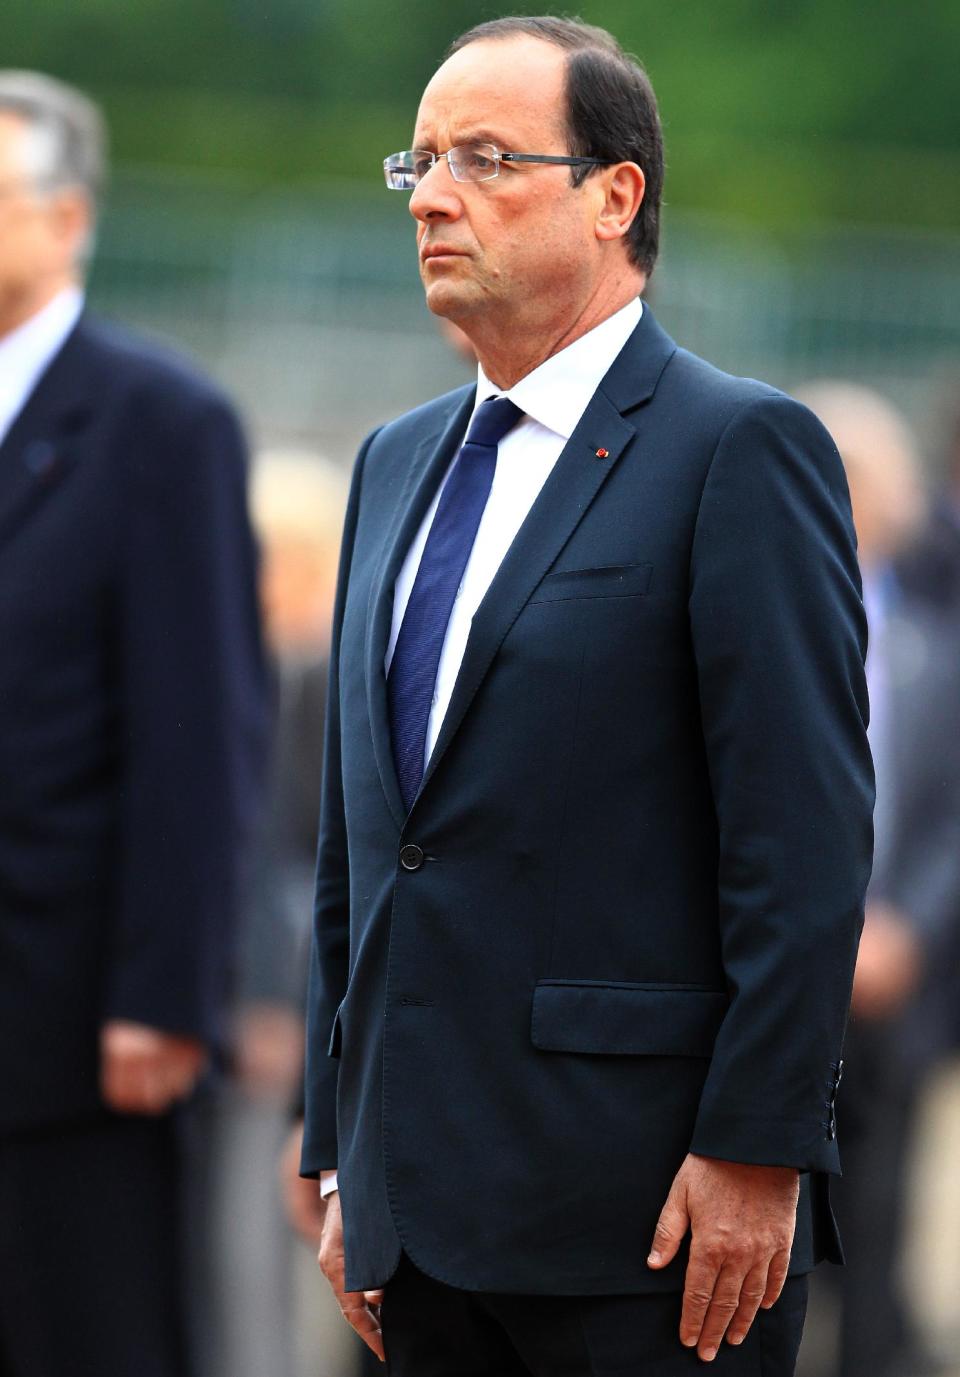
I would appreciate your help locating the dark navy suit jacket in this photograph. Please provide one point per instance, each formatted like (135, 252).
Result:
(132, 711)
(620, 920)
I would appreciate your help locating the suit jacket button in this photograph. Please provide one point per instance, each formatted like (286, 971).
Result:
(411, 857)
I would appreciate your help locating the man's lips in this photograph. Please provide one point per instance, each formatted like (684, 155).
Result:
(440, 251)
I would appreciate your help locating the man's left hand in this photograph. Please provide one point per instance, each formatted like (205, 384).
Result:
(146, 1070)
(742, 1219)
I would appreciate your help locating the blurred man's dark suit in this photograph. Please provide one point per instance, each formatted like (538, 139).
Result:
(132, 712)
(929, 573)
(619, 922)
(916, 745)
(930, 569)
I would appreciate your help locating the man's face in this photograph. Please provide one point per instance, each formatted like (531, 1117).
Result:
(37, 241)
(519, 249)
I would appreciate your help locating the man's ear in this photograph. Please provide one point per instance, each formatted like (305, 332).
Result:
(625, 185)
(72, 220)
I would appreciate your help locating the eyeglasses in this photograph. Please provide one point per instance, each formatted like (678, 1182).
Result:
(468, 162)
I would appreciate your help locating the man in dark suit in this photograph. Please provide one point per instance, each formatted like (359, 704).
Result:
(131, 717)
(597, 792)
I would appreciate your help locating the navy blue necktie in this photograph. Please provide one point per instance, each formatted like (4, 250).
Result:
(416, 656)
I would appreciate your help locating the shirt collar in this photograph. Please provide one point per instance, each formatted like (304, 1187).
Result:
(557, 393)
(27, 351)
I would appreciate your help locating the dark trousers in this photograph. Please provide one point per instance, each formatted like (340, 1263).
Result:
(89, 1251)
(433, 1330)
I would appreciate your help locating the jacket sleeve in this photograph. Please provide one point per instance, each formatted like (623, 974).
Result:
(779, 639)
(192, 709)
(330, 947)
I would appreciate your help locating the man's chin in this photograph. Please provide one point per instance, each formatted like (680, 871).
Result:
(448, 299)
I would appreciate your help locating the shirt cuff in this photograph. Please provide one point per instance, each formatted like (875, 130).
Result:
(328, 1183)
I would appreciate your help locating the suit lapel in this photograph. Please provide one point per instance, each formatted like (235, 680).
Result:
(35, 454)
(574, 482)
(590, 455)
(428, 463)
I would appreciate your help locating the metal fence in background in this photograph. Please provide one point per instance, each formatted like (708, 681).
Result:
(307, 304)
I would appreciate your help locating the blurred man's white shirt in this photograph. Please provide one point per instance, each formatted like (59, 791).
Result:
(27, 352)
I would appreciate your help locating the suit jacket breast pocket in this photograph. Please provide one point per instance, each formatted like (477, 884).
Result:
(604, 581)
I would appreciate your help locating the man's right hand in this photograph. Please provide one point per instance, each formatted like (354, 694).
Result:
(361, 1309)
(147, 1070)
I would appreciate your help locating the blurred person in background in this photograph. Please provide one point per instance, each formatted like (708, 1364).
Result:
(929, 567)
(297, 502)
(906, 987)
(132, 724)
(595, 829)
(929, 572)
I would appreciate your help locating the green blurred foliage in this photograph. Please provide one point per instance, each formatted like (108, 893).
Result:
(778, 111)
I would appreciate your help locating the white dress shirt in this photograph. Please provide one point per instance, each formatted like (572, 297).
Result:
(27, 351)
(553, 398)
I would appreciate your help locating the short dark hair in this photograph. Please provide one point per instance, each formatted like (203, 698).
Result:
(611, 110)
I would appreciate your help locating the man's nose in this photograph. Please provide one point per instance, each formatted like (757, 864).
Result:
(436, 195)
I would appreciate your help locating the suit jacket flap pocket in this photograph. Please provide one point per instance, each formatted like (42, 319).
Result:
(605, 581)
(626, 1019)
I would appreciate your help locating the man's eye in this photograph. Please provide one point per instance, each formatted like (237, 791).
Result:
(480, 162)
(421, 166)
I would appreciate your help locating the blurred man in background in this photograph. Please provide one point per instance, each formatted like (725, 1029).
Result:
(929, 568)
(253, 1324)
(905, 987)
(132, 713)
